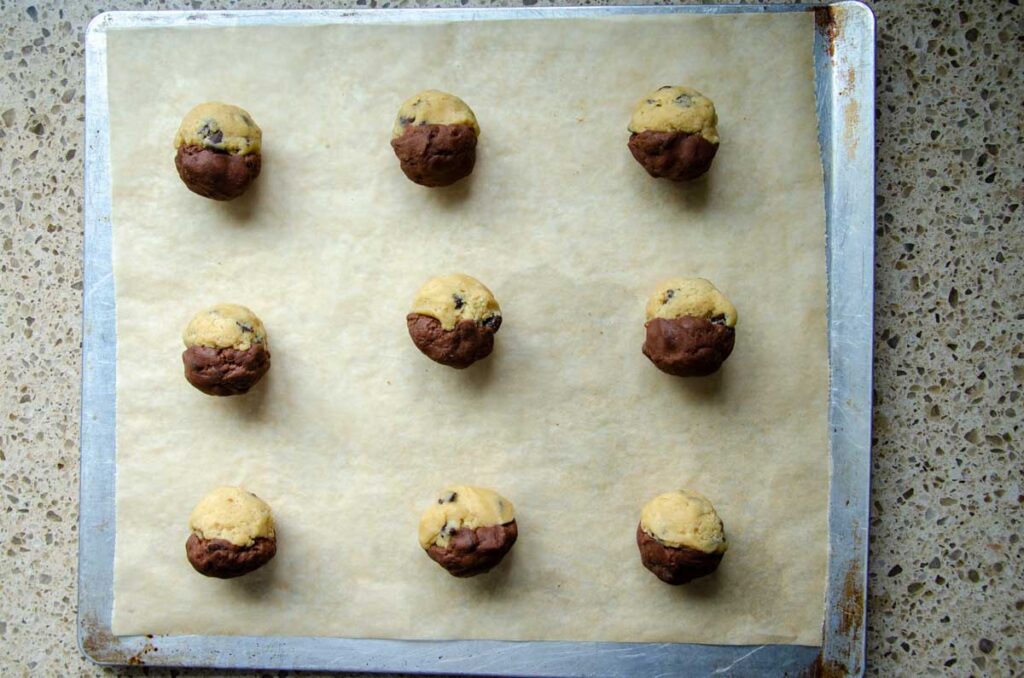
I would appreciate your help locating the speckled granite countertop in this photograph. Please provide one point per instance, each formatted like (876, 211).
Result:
(946, 592)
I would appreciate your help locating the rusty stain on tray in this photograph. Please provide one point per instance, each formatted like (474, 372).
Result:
(137, 658)
(851, 113)
(102, 646)
(851, 607)
(851, 604)
(827, 21)
(831, 669)
(850, 625)
(97, 640)
(824, 669)
(851, 613)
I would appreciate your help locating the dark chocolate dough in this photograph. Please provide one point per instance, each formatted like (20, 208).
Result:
(472, 552)
(674, 565)
(458, 347)
(672, 155)
(225, 371)
(436, 155)
(688, 346)
(224, 560)
(215, 174)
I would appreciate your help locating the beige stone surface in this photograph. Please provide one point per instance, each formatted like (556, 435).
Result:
(946, 551)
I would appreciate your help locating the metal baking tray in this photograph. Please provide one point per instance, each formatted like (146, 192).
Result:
(844, 65)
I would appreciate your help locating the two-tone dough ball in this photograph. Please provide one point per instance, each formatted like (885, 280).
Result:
(218, 152)
(680, 537)
(673, 133)
(453, 320)
(434, 137)
(690, 327)
(232, 533)
(468, 530)
(226, 350)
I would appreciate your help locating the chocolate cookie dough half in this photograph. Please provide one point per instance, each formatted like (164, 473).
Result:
(680, 537)
(690, 327)
(673, 133)
(434, 138)
(454, 319)
(468, 530)
(232, 533)
(218, 150)
(226, 350)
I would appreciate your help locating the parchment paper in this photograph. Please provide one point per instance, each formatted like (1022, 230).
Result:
(353, 430)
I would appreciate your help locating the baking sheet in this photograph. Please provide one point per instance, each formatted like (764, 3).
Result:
(353, 430)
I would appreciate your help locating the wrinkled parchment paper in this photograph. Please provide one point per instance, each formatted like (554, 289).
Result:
(353, 431)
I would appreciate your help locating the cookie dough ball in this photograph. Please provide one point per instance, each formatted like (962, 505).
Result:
(468, 530)
(690, 327)
(226, 350)
(680, 537)
(218, 150)
(434, 138)
(453, 320)
(232, 534)
(673, 133)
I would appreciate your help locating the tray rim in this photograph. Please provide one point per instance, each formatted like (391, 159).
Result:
(844, 42)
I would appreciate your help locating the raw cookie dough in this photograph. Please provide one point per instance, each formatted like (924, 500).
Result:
(680, 537)
(232, 533)
(690, 327)
(218, 150)
(434, 137)
(673, 133)
(453, 320)
(469, 530)
(226, 350)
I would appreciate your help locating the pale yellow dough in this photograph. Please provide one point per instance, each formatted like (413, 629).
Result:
(433, 107)
(240, 134)
(225, 326)
(461, 506)
(684, 518)
(676, 109)
(232, 514)
(696, 297)
(454, 298)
